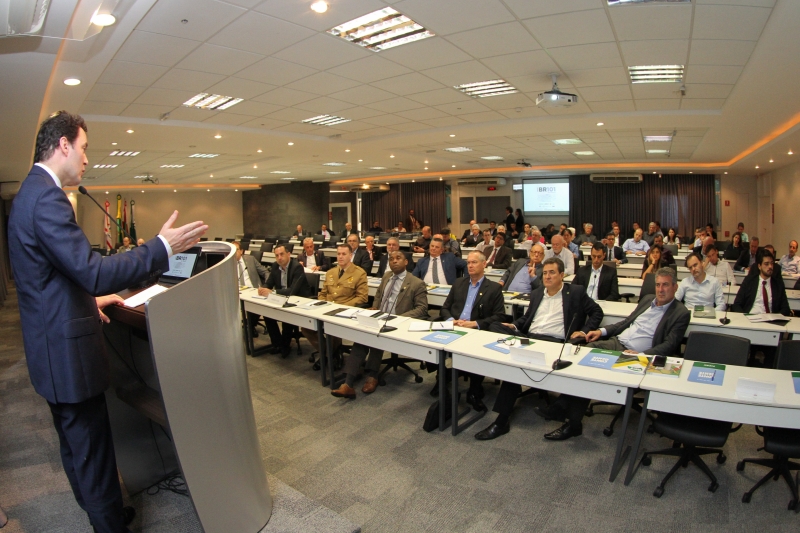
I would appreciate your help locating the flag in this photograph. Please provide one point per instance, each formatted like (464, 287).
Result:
(125, 217)
(107, 228)
(119, 218)
(133, 225)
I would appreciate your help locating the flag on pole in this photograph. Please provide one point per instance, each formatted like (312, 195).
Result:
(125, 217)
(133, 224)
(107, 228)
(119, 218)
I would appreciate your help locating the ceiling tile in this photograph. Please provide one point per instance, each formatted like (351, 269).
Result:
(467, 72)
(642, 23)
(323, 51)
(252, 109)
(592, 77)
(168, 97)
(462, 108)
(369, 69)
(261, 34)
(612, 106)
(109, 92)
(523, 112)
(359, 113)
(91, 107)
(324, 106)
(265, 123)
(292, 115)
(707, 90)
(608, 92)
(587, 56)
(385, 120)
(712, 52)
(444, 17)
(299, 13)
(440, 96)
(495, 40)
(527, 9)
(228, 119)
(408, 84)
(657, 105)
(756, 3)
(483, 117)
(145, 47)
(218, 60)
(188, 113)
(507, 101)
(535, 64)
(188, 80)
(205, 18)
(322, 83)
(146, 110)
(239, 88)
(363, 94)
(128, 73)
(702, 103)
(656, 90)
(411, 126)
(712, 74)
(423, 113)
(568, 29)
(275, 71)
(285, 97)
(729, 22)
(427, 53)
(396, 104)
(663, 52)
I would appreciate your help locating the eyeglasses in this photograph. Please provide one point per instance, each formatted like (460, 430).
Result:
(507, 341)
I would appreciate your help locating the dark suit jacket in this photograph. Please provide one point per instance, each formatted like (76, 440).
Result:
(519, 264)
(296, 282)
(473, 240)
(377, 252)
(333, 233)
(57, 277)
(618, 254)
(451, 265)
(488, 305)
(255, 270)
(748, 292)
(744, 259)
(503, 258)
(580, 311)
(669, 332)
(410, 227)
(608, 288)
(361, 259)
(303, 235)
(319, 258)
(412, 300)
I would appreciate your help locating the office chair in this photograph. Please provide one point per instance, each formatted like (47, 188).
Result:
(672, 248)
(289, 246)
(520, 254)
(258, 237)
(267, 246)
(318, 239)
(648, 286)
(721, 246)
(217, 238)
(782, 443)
(257, 255)
(271, 238)
(203, 239)
(693, 437)
(229, 240)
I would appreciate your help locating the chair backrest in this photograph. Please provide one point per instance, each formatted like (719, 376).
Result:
(258, 237)
(203, 239)
(247, 237)
(788, 356)
(608, 264)
(520, 254)
(257, 254)
(721, 246)
(382, 239)
(289, 246)
(217, 238)
(648, 286)
(717, 348)
(318, 238)
(313, 279)
(267, 247)
(271, 238)
(672, 248)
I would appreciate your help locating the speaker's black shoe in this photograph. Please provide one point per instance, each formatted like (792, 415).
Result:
(476, 402)
(565, 432)
(493, 431)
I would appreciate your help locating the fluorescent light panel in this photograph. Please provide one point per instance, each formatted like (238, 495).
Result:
(122, 153)
(280, 172)
(492, 158)
(212, 101)
(333, 164)
(381, 30)
(247, 177)
(656, 73)
(334, 172)
(584, 152)
(207, 156)
(377, 168)
(325, 120)
(567, 141)
(657, 138)
(172, 166)
(458, 149)
(287, 179)
(484, 89)
(657, 151)
(105, 166)
(624, 2)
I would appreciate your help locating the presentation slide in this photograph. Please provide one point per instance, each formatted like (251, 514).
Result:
(181, 266)
(545, 196)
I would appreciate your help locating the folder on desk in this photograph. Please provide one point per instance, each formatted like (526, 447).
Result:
(708, 373)
(671, 369)
(796, 381)
(598, 358)
(444, 337)
(635, 364)
(431, 326)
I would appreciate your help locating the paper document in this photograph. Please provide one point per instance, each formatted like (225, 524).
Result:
(765, 317)
(350, 313)
(755, 391)
(430, 326)
(138, 299)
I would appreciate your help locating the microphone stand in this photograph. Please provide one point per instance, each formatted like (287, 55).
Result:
(558, 364)
(725, 320)
(385, 328)
(83, 190)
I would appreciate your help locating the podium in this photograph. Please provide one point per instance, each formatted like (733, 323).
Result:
(179, 400)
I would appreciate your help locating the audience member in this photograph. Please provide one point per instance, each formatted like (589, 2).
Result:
(438, 268)
(700, 289)
(672, 237)
(126, 245)
(393, 245)
(559, 250)
(359, 256)
(449, 244)
(473, 237)
(601, 282)
(740, 229)
(412, 222)
(524, 275)
(498, 256)
(716, 268)
(422, 242)
(653, 261)
(666, 255)
(468, 231)
(748, 257)
(311, 259)
(790, 263)
(325, 232)
(613, 252)
(487, 241)
(252, 274)
(586, 238)
(636, 245)
(734, 251)
(300, 233)
(651, 234)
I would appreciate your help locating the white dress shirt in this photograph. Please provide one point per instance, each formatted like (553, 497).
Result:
(708, 293)
(722, 271)
(639, 335)
(244, 277)
(758, 306)
(549, 317)
(594, 283)
(565, 256)
(429, 274)
(790, 265)
(311, 261)
(481, 245)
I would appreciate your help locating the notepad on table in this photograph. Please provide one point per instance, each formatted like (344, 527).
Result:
(431, 326)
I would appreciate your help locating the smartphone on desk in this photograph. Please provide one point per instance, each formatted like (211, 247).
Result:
(321, 302)
(659, 361)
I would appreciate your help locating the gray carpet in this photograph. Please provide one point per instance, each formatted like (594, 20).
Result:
(369, 461)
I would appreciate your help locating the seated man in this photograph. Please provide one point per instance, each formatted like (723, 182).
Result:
(392, 245)
(345, 284)
(656, 327)
(748, 257)
(762, 293)
(716, 268)
(376, 227)
(373, 251)
(586, 238)
(498, 256)
(613, 252)
(422, 243)
(449, 244)
(313, 260)
(473, 237)
(400, 228)
(559, 250)
(359, 256)
(554, 308)
(300, 233)
(699, 235)
(325, 232)
(468, 231)
(399, 294)
(636, 245)
(700, 289)
(790, 263)
(139, 242)
(474, 302)
(568, 234)
(437, 268)
(486, 242)
(525, 275)
(286, 278)
(348, 230)
(493, 228)
(252, 274)
(600, 281)
(126, 245)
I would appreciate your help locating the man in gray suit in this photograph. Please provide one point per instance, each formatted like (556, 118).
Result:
(400, 293)
(252, 274)
(656, 327)
(514, 280)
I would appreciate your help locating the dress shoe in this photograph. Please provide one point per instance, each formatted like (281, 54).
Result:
(285, 351)
(564, 432)
(345, 391)
(493, 431)
(550, 413)
(476, 402)
(128, 514)
(369, 386)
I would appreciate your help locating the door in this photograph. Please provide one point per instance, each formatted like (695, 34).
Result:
(340, 215)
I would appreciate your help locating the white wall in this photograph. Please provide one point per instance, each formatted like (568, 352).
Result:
(221, 210)
(742, 194)
(781, 189)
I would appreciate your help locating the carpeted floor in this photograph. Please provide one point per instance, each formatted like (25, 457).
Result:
(369, 461)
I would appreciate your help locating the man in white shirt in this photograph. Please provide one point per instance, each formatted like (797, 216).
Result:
(740, 229)
(790, 263)
(719, 269)
(487, 240)
(636, 245)
(560, 250)
(700, 289)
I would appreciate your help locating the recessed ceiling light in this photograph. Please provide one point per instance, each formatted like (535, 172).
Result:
(319, 6)
(72, 82)
(453, 166)
(426, 168)
(771, 161)
(212, 101)
(211, 175)
(690, 172)
(567, 141)
(440, 178)
(334, 164)
(103, 19)
(381, 30)
(452, 135)
(584, 152)
(218, 136)
(657, 151)
(492, 158)
(247, 177)
(657, 138)
(172, 166)
(290, 144)
(426, 161)
(484, 89)
(206, 156)
(654, 172)
(280, 172)
(413, 181)
(324, 120)
(601, 124)
(208, 190)
(347, 149)
(756, 166)
(235, 190)
(790, 152)
(173, 190)
(334, 172)
(255, 166)
(377, 168)
(128, 131)
(113, 144)
(391, 157)
(656, 73)
(105, 166)
(360, 160)
(258, 151)
(726, 173)
(457, 149)
(125, 154)
(142, 192)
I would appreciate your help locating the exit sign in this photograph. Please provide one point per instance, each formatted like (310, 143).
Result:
(491, 188)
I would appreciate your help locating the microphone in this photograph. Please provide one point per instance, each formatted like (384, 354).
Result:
(384, 327)
(725, 320)
(558, 364)
(83, 190)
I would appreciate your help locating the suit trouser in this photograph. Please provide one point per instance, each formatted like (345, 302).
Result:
(311, 336)
(281, 338)
(358, 353)
(574, 407)
(87, 453)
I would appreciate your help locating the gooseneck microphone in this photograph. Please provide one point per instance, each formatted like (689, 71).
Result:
(385, 328)
(725, 320)
(558, 364)
(83, 190)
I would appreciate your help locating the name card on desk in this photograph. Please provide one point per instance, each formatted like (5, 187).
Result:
(755, 391)
(524, 354)
(369, 321)
(276, 300)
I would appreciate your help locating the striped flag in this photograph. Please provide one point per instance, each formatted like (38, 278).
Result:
(119, 218)
(125, 217)
(107, 228)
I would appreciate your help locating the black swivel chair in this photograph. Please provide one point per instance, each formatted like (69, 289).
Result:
(694, 437)
(257, 254)
(648, 286)
(520, 253)
(267, 246)
(782, 443)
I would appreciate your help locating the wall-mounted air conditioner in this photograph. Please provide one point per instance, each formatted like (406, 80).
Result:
(615, 178)
(483, 181)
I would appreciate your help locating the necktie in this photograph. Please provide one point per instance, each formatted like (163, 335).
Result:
(341, 273)
(241, 274)
(436, 270)
(494, 253)
(387, 296)
(765, 296)
(609, 254)
(283, 279)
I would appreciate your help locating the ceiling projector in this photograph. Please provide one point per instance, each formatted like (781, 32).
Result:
(555, 98)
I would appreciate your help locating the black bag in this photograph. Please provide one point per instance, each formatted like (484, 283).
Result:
(432, 416)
